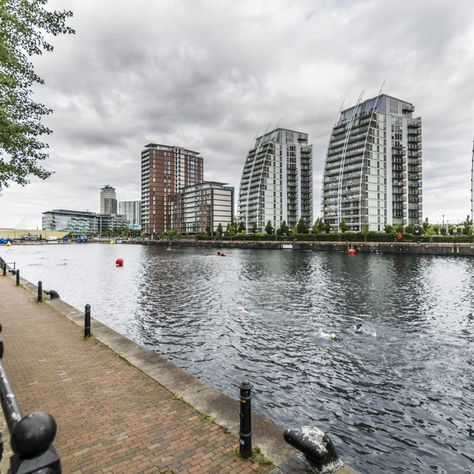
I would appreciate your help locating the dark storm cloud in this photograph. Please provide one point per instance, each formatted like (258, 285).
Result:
(211, 75)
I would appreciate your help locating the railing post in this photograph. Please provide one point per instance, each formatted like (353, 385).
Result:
(245, 420)
(31, 436)
(18, 277)
(87, 321)
(40, 292)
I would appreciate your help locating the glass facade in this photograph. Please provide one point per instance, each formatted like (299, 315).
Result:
(372, 175)
(277, 181)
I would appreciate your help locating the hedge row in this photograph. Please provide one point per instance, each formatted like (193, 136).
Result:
(346, 237)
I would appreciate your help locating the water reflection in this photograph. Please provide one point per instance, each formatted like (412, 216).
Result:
(400, 401)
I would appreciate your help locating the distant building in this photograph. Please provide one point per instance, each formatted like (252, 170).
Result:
(164, 171)
(132, 211)
(277, 181)
(82, 222)
(203, 206)
(108, 200)
(77, 222)
(373, 171)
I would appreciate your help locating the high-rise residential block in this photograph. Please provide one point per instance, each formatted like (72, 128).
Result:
(373, 170)
(277, 181)
(132, 211)
(108, 200)
(164, 171)
(202, 207)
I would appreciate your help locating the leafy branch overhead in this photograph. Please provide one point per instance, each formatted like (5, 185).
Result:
(23, 26)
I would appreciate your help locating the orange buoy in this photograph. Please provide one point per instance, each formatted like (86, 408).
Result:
(119, 262)
(351, 251)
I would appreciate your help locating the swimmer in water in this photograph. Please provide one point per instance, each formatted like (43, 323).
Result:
(358, 328)
(334, 337)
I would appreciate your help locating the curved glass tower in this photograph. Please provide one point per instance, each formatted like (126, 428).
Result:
(372, 175)
(277, 181)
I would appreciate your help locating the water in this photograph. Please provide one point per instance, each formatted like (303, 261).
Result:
(396, 398)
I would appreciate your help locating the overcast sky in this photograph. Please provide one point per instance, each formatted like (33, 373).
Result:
(211, 75)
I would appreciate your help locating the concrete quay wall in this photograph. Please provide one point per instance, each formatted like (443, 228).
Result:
(410, 248)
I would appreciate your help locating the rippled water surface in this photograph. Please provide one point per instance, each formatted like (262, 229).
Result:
(399, 397)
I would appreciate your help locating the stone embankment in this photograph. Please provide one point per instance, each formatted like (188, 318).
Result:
(410, 248)
(119, 407)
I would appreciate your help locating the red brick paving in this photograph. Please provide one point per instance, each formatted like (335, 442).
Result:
(111, 417)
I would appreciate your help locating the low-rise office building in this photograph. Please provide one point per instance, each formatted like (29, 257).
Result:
(82, 222)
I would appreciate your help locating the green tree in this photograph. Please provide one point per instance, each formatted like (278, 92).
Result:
(241, 228)
(208, 231)
(285, 230)
(254, 228)
(426, 225)
(389, 229)
(301, 227)
(327, 227)
(315, 229)
(467, 229)
(343, 226)
(219, 230)
(269, 228)
(399, 229)
(442, 230)
(230, 231)
(409, 229)
(23, 25)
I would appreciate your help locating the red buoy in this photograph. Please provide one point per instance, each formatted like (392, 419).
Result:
(119, 262)
(351, 251)
(399, 236)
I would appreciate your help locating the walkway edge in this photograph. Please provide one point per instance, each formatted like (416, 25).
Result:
(223, 409)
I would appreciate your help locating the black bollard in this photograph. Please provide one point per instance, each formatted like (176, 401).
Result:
(4, 268)
(246, 420)
(40, 291)
(18, 277)
(87, 321)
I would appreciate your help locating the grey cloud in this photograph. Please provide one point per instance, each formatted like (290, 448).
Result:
(210, 75)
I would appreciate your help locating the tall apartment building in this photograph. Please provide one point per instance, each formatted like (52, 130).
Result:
(132, 211)
(164, 171)
(108, 200)
(202, 206)
(372, 175)
(277, 181)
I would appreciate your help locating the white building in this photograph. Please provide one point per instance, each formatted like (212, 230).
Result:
(132, 211)
(372, 175)
(277, 181)
(202, 207)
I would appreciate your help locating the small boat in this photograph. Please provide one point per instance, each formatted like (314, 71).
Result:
(287, 246)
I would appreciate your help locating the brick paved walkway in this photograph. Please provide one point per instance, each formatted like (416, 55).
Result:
(111, 417)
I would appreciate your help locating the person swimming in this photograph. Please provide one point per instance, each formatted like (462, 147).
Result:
(334, 337)
(358, 328)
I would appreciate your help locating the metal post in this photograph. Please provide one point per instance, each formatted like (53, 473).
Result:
(18, 277)
(40, 291)
(245, 420)
(87, 321)
(4, 268)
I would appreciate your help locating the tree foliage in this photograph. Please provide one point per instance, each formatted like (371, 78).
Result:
(269, 228)
(343, 226)
(23, 25)
(301, 227)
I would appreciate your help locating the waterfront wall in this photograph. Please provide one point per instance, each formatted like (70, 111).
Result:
(412, 248)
